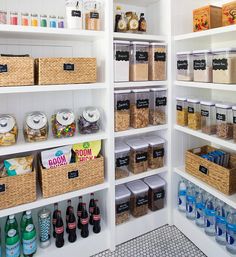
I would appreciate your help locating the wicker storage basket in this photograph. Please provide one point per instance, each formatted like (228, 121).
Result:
(65, 70)
(223, 179)
(16, 71)
(17, 190)
(71, 177)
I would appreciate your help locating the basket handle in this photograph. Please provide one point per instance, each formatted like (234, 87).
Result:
(2, 188)
(3, 68)
(73, 174)
(69, 67)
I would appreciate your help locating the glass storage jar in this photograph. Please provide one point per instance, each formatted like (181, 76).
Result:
(3, 17)
(208, 117)
(224, 121)
(122, 153)
(61, 22)
(139, 108)
(138, 162)
(14, 18)
(89, 120)
(158, 106)
(121, 60)
(8, 130)
(156, 192)
(234, 122)
(92, 11)
(157, 61)
(181, 111)
(139, 61)
(224, 65)
(139, 198)
(122, 110)
(25, 19)
(202, 66)
(34, 20)
(122, 198)
(184, 66)
(194, 114)
(43, 21)
(53, 21)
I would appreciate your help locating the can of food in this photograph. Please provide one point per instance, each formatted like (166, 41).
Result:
(44, 218)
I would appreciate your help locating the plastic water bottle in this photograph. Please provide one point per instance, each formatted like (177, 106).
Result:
(199, 212)
(182, 195)
(231, 231)
(220, 226)
(190, 201)
(209, 218)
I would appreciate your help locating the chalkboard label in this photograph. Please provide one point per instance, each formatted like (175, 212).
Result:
(158, 153)
(204, 113)
(220, 116)
(159, 195)
(141, 157)
(73, 174)
(3, 68)
(122, 56)
(2, 188)
(123, 105)
(141, 56)
(142, 103)
(161, 101)
(190, 110)
(69, 67)
(199, 64)
(220, 64)
(142, 200)
(179, 108)
(94, 15)
(182, 65)
(76, 13)
(203, 170)
(123, 161)
(123, 207)
(160, 57)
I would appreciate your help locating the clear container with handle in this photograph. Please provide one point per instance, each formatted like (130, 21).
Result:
(74, 14)
(181, 111)
(122, 158)
(184, 66)
(194, 114)
(208, 117)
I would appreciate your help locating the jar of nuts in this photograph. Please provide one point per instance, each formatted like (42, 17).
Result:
(122, 152)
(194, 114)
(158, 106)
(139, 198)
(122, 197)
(138, 162)
(224, 121)
(181, 111)
(234, 123)
(139, 108)
(208, 118)
(8, 130)
(156, 192)
(184, 66)
(122, 110)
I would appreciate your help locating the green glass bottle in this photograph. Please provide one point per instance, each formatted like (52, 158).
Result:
(23, 222)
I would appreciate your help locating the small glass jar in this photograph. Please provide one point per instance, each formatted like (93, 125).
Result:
(224, 121)
(138, 155)
(158, 106)
(121, 60)
(184, 66)
(133, 24)
(157, 61)
(202, 66)
(122, 198)
(194, 114)
(122, 152)
(234, 122)
(122, 110)
(61, 22)
(92, 10)
(181, 111)
(14, 18)
(139, 61)
(139, 108)
(8, 130)
(43, 21)
(34, 20)
(53, 21)
(3, 17)
(89, 121)
(25, 19)
(208, 118)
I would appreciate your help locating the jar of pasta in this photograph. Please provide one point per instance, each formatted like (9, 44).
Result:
(194, 114)
(8, 130)
(208, 117)
(181, 111)
(122, 156)
(184, 66)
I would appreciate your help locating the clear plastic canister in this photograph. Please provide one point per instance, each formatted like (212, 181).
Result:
(194, 114)
(202, 66)
(184, 66)
(208, 118)
(181, 111)
(122, 156)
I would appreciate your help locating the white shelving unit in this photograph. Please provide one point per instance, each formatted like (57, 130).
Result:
(140, 84)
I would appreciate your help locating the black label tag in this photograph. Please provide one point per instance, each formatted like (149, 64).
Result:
(158, 153)
(203, 169)
(69, 67)
(141, 157)
(160, 57)
(220, 116)
(179, 108)
(161, 101)
(3, 68)
(122, 56)
(234, 120)
(190, 110)
(123, 161)
(142, 200)
(141, 56)
(199, 64)
(73, 174)
(123, 207)
(142, 103)
(159, 195)
(182, 65)
(220, 64)
(123, 105)
(94, 15)
(76, 13)
(2, 188)
(204, 113)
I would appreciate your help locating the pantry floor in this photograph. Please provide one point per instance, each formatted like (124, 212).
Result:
(166, 241)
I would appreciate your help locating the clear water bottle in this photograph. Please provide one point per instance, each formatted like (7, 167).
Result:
(182, 195)
(190, 201)
(209, 218)
(199, 212)
(220, 226)
(231, 231)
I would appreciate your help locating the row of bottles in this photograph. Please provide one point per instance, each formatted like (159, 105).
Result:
(214, 216)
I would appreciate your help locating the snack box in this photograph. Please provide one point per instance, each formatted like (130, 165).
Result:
(229, 13)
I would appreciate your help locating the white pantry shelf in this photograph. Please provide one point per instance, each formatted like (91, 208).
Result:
(139, 37)
(136, 2)
(136, 84)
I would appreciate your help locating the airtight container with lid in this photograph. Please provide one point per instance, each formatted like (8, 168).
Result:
(184, 66)
(122, 196)
(194, 114)
(138, 155)
(208, 117)
(8, 130)
(156, 192)
(89, 120)
(36, 127)
(122, 152)
(181, 111)
(139, 198)
(234, 122)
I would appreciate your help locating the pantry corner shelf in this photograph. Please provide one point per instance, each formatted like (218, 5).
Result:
(136, 84)
(140, 37)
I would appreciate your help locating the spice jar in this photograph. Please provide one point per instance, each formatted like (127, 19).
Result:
(224, 63)
(25, 19)
(139, 108)
(53, 21)
(122, 110)
(133, 23)
(8, 130)
(63, 124)
(61, 22)
(202, 66)
(181, 111)
(139, 198)
(36, 127)
(158, 106)
(121, 61)
(208, 118)
(138, 155)
(156, 192)
(14, 18)
(122, 152)
(157, 61)
(43, 20)
(224, 121)
(184, 66)
(92, 15)
(194, 114)
(234, 122)
(139, 61)
(3, 17)
(74, 10)
(34, 20)
(89, 121)
(122, 198)
(156, 152)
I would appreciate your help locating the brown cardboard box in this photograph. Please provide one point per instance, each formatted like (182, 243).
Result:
(229, 13)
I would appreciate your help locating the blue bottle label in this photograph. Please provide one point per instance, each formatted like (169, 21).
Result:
(220, 220)
(231, 227)
(13, 250)
(29, 246)
(199, 206)
(182, 192)
(209, 212)
(190, 198)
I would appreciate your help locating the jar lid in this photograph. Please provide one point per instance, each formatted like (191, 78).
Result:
(34, 15)
(220, 50)
(122, 91)
(36, 120)
(25, 14)
(7, 123)
(158, 89)
(122, 42)
(140, 90)
(224, 106)
(5, 12)
(201, 52)
(139, 43)
(53, 16)
(154, 140)
(181, 99)
(91, 114)
(158, 44)
(43, 15)
(65, 117)
(137, 143)
(137, 187)
(207, 103)
(184, 53)
(195, 101)
(122, 192)
(61, 17)
(14, 13)
(155, 181)
(121, 147)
